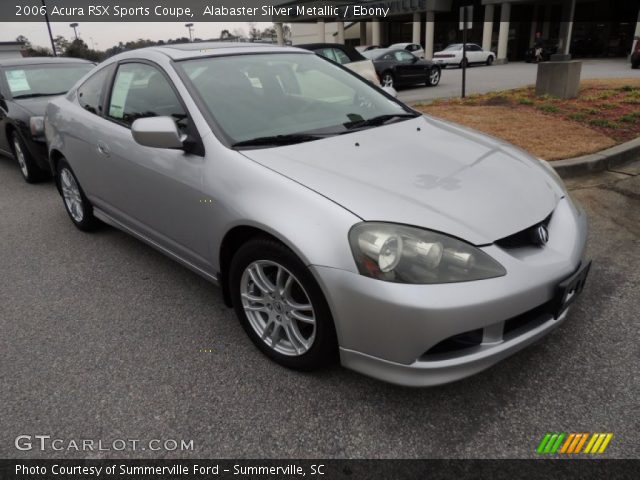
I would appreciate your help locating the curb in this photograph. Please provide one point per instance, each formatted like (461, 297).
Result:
(598, 162)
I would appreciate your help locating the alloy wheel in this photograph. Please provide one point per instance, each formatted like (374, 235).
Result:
(22, 161)
(71, 195)
(278, 308)
(387, 80)
(434, 76)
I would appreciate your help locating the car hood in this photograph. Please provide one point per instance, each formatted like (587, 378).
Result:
(35, 106)
(427, 173)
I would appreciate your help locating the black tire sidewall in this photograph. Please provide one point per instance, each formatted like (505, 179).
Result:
(324, 350)
(35, 173)
(89, 222)
(429, 84)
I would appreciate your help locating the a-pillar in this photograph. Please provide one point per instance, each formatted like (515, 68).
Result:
(321, 31)
(429, 34)
(416, 28)
(503, 35)
(340, 37)
(487, 33)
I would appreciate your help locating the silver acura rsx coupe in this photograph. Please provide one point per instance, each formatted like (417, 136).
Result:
(338, 221)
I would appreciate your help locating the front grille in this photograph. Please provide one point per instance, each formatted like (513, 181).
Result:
(523, 238)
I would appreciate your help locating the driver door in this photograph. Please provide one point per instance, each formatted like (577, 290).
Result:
(155, 192)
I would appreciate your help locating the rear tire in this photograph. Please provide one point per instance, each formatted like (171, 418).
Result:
(281, 306)
(433, 77)
(464, 63)
(75, 201)
(387, 80)
(30, 170)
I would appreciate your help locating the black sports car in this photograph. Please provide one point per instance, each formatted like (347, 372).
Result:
(397, 67)
(26, 87)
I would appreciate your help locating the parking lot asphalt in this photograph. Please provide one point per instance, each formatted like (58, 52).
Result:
(483, 79)
(103, 338)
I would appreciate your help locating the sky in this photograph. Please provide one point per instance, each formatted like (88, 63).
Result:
(104, 35)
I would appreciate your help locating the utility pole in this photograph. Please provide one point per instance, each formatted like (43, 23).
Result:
(46, 19)
(190, 27)
(75, 29)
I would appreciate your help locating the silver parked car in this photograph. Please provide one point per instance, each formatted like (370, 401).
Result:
(337, 220)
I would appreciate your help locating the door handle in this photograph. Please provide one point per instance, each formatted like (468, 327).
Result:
(103, 149)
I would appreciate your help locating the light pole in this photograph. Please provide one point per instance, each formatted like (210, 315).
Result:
(46, 19)
(75, 27)
(190, 27)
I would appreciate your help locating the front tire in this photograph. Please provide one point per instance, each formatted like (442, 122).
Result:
(28, 167)
(75, 202)
(489, 60)
(464, 63)
(281, 306)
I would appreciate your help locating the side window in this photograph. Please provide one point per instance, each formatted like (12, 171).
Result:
(341, 57)
(327, 53)
(142, 91)
(403, 56)
(91, 93)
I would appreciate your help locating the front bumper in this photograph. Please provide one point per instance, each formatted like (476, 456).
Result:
(390, 331)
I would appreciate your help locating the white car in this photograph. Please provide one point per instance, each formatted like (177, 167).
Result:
(414, 48)
(452, 55)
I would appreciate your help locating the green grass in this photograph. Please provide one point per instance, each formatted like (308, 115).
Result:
(525, 101)
(630, 117)
(578, 117)
(609, 106)
(603, 122)
(547, 107)
(628, 88)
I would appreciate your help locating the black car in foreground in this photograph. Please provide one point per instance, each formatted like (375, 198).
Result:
(397, 67)
(26, 87)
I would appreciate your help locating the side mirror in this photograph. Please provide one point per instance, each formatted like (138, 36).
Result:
(157, 132)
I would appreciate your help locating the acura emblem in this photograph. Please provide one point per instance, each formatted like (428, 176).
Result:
(541, 235)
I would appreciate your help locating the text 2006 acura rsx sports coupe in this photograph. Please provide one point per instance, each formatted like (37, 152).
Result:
(336, 219)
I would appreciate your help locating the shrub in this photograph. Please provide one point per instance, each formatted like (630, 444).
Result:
(547, 107)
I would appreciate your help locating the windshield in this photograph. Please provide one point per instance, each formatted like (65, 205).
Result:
(28, 81)
(375, 53)
(456, 46)
(297, 97)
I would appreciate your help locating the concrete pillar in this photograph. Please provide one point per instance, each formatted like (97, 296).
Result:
(376, 34)
(340, 36)
(636, 34)
(321, 31)
(429, 34)
(487, 33)
(566, 27)
(534, 26)
(503, 35)
(363, 33)
(546, 25)
(280, 33)
(416, 28)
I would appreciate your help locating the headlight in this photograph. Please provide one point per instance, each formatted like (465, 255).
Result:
(401, 254)
(36, 124)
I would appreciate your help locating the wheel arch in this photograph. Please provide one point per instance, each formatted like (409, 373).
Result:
(232, 241)
(54, 158)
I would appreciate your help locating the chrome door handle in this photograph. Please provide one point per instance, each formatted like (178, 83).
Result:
(103, 149)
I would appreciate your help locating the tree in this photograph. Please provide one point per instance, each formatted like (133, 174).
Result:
(25, 40)
(61, 44)
(254, 33)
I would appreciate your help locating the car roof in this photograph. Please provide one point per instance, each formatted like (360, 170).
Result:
(183, 51)
(17, 62)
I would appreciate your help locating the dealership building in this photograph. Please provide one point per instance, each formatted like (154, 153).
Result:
(583, 28)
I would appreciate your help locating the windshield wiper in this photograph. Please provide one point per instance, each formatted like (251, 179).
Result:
(36, 95)
(379, 120)
(279, 140)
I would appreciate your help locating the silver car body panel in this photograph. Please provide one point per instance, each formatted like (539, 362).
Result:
(422, 172)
